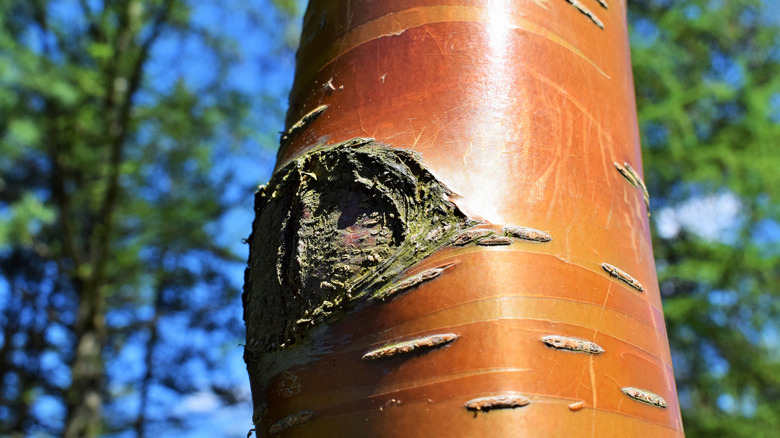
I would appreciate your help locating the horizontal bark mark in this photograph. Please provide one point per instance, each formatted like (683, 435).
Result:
(304, 122)
(585, 11)
(291, 420)
(469, 236)
(644, 396)
(626, 174)
(641, 183)
(572, 344)
(527, 233)
(504, 401)
(495, 241)
(423, 343)
(623, 276)
(414, 280)
(632, 176)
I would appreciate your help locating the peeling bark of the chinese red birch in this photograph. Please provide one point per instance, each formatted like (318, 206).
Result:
(545, 319)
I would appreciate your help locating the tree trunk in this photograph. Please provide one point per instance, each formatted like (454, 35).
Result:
(455, 241)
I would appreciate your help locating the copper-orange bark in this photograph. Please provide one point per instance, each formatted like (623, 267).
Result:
(525, 109)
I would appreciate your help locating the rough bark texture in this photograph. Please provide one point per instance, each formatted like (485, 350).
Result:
(483, 266)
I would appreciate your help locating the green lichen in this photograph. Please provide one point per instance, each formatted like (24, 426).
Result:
(337, 226)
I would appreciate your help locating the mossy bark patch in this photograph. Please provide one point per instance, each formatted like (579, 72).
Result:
(334, 227)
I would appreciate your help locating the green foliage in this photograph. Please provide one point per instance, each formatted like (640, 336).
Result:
(707, 76)
(291, 7)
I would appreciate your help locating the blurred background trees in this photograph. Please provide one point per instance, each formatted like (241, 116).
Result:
(707, 77)
(132, 134)
(123, 127)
